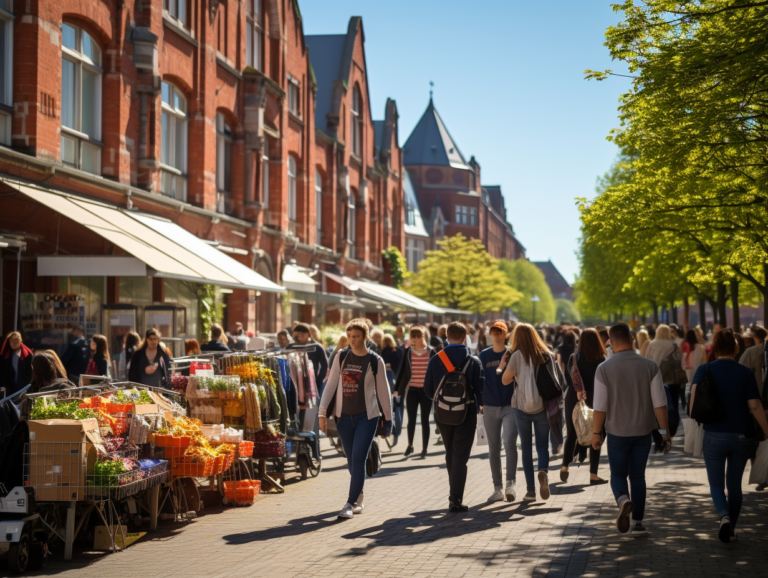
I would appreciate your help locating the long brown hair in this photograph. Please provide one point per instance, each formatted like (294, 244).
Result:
(102, 347)
(526, 339)
(591, 346)
(147, 335)
(60, 370)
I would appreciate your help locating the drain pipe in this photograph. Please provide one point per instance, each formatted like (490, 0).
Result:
(18, 284)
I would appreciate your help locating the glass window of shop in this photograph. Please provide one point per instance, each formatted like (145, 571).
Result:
(185, 294)
(93, 290)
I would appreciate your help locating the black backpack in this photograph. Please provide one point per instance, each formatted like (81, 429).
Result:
(547, 382)
(452, 396)
(706, 402)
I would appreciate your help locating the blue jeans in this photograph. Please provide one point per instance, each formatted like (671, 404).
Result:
(527, 425)
(725, 457)
(627, 457)
(397, 406)
(356, 433)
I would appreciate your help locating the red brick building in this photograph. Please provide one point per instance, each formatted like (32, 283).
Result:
(450, 192)
(211, 116)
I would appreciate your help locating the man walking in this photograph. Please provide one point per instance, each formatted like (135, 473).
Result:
(629, 399)
(457, 438)
(498, 416)
(77, 354)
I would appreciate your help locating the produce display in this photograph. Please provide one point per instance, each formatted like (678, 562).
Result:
(268, 443)
(190, 452)
(69, 409)
(179, 382)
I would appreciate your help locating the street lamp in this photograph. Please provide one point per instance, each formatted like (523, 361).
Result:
(534, 300)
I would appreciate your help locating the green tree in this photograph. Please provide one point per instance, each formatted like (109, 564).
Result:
(398, 268)
(461, 274)
(528, 279)
(565, 311)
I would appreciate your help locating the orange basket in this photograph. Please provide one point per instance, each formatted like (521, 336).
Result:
(193, 467)
(120, 426)
(163, 440)
(114, 408)
(245, 449)
(181, 441)
(243, 491)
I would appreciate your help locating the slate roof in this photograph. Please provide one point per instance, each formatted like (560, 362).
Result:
(417, 228)
(430, 143)
(559, 287)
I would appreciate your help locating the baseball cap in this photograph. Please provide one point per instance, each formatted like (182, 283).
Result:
(500, 325)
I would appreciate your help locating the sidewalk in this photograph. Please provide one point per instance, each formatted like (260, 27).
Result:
(405, 530)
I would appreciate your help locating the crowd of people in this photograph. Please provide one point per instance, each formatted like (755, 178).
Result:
(520, 383)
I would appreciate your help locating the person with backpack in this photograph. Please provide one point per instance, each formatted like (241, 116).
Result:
(357, 394)
(629, 402)
(668, 356)
(535, 370)
(409, 386)
(499, 416)
(728, 391)
(454, 381)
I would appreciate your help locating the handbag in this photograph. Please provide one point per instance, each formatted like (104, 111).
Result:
(373, 461)
(583, 421)
(706, 402)
(482, 438)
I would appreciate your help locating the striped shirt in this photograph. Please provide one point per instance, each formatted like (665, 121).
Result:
(419, 363)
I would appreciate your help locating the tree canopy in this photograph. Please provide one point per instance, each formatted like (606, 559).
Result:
(528, 279)
(461, 274)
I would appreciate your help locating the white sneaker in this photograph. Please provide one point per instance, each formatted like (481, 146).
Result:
(357, 507)
(346, 512)
(496, 496)
(511, 492)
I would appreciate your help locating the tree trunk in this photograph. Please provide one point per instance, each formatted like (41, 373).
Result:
(765, 294)
(735, 305)
(655, 314)
(721, 303)
(643, 319)
(686, 314)
(703, 314)
(664, 314)
(673, 309)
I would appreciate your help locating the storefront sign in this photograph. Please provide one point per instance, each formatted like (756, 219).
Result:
(48, 318)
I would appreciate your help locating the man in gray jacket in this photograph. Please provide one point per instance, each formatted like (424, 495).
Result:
(629, 400)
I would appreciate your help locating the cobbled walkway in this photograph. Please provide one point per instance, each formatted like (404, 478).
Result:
(405, 530)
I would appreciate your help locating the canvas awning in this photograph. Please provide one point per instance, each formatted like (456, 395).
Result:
(294, 279)
(166, 249)
(389, 295)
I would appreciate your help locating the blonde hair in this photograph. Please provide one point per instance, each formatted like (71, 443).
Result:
(388, 341)
(699, 335)
(642, 336)
(527, 340)
(342, 342)
(377, 333)
(663, 332)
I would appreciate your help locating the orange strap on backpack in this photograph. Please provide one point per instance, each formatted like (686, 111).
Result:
(447, 362)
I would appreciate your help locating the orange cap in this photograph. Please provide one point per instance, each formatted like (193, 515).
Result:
(500, 325)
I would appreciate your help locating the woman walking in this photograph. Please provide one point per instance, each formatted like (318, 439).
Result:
(15, 364)
(354, 395)
(580, 376)
(729, 442)
(667, 355)
(529, 354)
(409, 386)
(99, 363)
(150, 365)
(130, 343)
(391, 356)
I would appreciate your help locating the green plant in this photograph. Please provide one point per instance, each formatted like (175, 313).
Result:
(329, 334)
(60, 410)
(398, 267)
(210, 310)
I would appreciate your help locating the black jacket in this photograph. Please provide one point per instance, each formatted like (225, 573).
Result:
(75, 358)
(139, 361)
(214, 346)
(404, 375)
(8, 375)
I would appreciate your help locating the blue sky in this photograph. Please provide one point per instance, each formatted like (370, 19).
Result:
(509, 85)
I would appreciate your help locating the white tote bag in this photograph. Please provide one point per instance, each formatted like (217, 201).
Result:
(583, 421)
(759, 472)
(482, 439)
(690, 427)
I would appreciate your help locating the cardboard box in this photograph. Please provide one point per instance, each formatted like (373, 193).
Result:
(102, 539)
(146, 409)
(61, 452)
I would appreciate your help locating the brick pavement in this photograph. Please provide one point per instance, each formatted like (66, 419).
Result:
(405, 530)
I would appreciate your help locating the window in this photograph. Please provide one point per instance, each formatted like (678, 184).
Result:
(223, 158)
(466, 215)
(176, 9)
(414, 253)
(319, 206)
(351, 225)
(410, 215)
(173, 153)
(6, 69)
(294, 97)
(254, 34)
(292, 194)
(265, 174)
(80, 100)
(357, 124)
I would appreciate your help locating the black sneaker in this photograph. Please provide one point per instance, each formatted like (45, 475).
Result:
(529, 497)
(408, 451)
(638, 529)
(457, 507)
(625, 510)
(725, 530)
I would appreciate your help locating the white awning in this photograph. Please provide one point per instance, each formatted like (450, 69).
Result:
(173, 253)
(90, 266)
(294, 279)
(379, 292)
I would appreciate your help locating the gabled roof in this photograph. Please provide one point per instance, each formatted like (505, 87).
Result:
(383, 129)
(416, 228)
(555, 280)
(430, 143)
(331, 59)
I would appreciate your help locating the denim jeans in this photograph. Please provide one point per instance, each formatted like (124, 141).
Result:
(725, 457)
(356, 433)
(527, 425)
(497, 419)
(397, 406)
(627, 457)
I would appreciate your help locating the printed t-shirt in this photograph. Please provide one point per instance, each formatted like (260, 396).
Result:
(353, 384)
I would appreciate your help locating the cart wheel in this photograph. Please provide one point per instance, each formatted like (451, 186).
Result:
(18, 554)
(225, 501)
(138, 520)
(303, 462)
(315, 466)
(38, 555)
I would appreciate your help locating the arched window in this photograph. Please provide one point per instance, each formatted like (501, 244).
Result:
(6, 71)
(292, 194)
(254, 33)
(357, 123)
(319, 206)
(265, 174)
(80, 100)
(223, 159)
(173, 154)
(352, 224)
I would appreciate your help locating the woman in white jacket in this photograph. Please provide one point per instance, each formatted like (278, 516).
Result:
(356, 393)
(667, 355)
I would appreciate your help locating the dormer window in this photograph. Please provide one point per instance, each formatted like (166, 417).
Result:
(357, 123)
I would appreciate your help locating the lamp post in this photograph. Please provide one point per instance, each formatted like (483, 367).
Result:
(534, 300)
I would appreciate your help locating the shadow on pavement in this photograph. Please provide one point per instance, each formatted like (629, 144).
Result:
(295, 527)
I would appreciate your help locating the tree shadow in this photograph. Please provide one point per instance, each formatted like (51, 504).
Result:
(296, 527)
